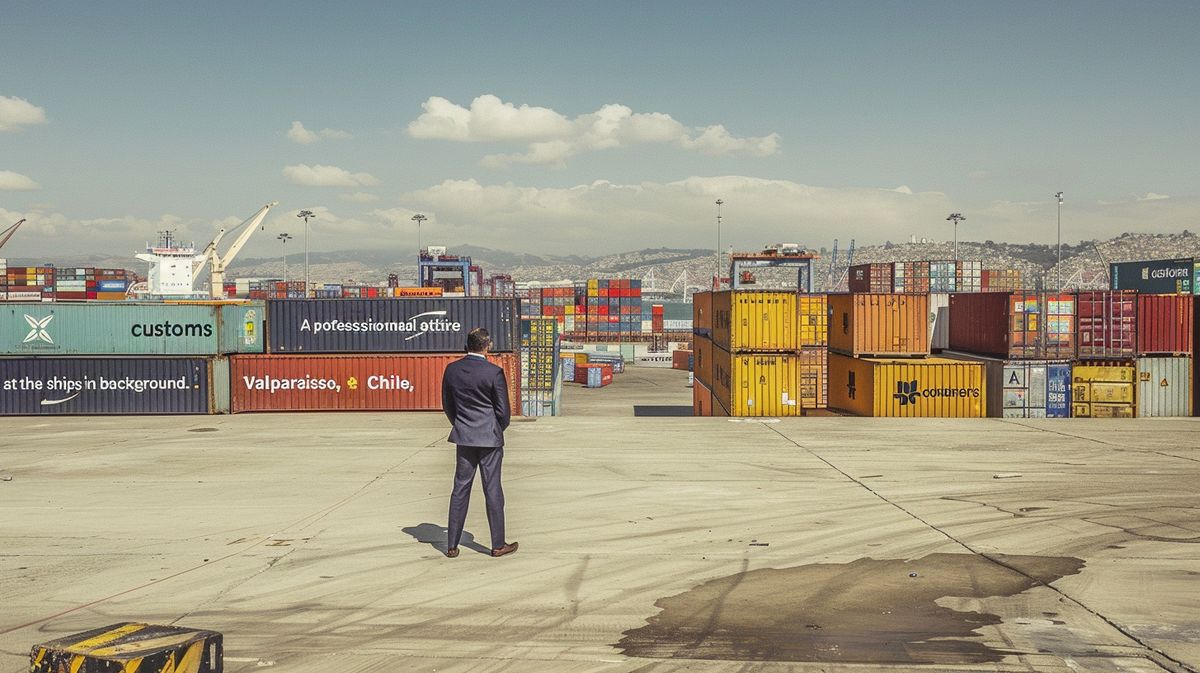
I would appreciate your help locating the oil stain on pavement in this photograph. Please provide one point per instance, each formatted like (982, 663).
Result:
(865, 611)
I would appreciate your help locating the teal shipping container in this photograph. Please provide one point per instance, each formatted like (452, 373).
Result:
(128, 328)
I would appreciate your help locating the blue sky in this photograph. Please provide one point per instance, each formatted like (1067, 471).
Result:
(811, 120)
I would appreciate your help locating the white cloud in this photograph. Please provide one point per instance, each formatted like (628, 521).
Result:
(301, 135)
(359, 197)
(902, 189)
(552, 138)
(18, 112)
(15, 182)
(298, 134)
(1151, 196)
(327, 176)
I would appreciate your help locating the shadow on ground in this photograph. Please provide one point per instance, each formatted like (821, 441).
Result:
(435, 536)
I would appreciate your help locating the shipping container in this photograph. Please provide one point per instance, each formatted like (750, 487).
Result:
(36, 386)
(1103, 389)
(1163, 276)
(1164, 386)
(398, 325)
(871, 278)
(704, 360)
(350, 382)
(769, 384)
(682, 360)
(1024, 388)
(131, 328)
(812, 320)
(879, 324)
(1107, 324)
(1017, 325)
(755, 321)
(594, 375)
(702, 400)
(927, 388)
(1164, 324)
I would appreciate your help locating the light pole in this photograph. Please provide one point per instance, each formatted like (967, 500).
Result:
(283, 239)
(717, 285)
(1059, 196)
(306, 215)
(419, 218)
(956, 218)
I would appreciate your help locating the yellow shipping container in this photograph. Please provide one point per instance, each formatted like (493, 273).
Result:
(768, 384)
(926, 388)
(581, 358)
(812, 317)
(755, 321)
(1103, 390)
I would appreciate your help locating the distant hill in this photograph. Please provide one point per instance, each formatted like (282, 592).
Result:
(1084, 264)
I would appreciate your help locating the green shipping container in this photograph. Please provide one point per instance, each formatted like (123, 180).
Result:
(127, 328)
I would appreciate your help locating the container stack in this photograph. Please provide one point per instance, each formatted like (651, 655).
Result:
(1026, 343)
(122, 358)
(369, 354)
(3, 279)
(871, 277)
(880, 363)
(759, 353)
(541, 378)
(1165, 348)
(1001, 280)
(30, 283)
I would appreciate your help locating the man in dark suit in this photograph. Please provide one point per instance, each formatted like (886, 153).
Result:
(475, 399)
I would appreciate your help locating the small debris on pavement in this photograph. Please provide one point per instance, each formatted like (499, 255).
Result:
(1007, 475)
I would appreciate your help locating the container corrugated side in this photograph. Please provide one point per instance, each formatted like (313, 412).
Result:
(761, 384)
(704, 360)
(1165, 324)
(939, 321)
(755, 321)
(1024, 388)
(1164, 386)
(104, 386)
(128, 328)
(394, 325)
(1013, 325)
(702, 319)
(350, 382)
(895, 388)
(879, 324)
(702, 400)
(1103, 389)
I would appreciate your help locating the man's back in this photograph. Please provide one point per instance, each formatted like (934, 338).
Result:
(475, 399)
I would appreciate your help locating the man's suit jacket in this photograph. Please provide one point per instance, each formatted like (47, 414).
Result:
(475, 399)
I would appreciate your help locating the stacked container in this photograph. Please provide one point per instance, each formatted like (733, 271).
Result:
(376, 354)
(1001, 280)
(880, 364)
(1107, 324)
(871, 278)
(3, 279)
(968, 276)
(760, 353)
(30, 283)
(1103, 389)
(541, 380)
(1165, 326)
(910, 277)
(126, 358)
(943, 276)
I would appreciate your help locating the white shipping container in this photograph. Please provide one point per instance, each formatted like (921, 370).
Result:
(677, 325)
(939, 321)
(1164, 387)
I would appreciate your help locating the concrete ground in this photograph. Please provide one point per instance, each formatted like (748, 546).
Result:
(648, 542)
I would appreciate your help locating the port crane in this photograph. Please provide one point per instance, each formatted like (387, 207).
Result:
(8, 233)
(217, 262)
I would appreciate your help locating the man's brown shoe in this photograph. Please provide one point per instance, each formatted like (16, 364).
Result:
(506, 549)
(452, 552)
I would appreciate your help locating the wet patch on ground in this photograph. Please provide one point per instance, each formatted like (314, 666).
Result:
(866, 611)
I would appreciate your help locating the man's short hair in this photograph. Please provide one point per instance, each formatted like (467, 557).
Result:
(478, 340)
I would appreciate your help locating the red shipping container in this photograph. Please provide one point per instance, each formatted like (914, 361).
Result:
(1107, 323)
(657, 323)
(1164, 324)
(603, 378)
(350, 382)
(1017, 325)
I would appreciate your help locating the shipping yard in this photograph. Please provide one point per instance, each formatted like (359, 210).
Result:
(649, 543)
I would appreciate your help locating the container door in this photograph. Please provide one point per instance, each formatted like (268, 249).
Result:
(1058, 391)
(1016, 390)
(1164, 387)
(1037, 386)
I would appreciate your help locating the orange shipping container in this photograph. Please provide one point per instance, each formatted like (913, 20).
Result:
(879, 324)
(349, 382)
(704, 360)
(927, 388)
